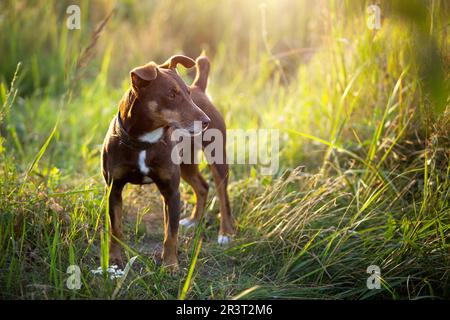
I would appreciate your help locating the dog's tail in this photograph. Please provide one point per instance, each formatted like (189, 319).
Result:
(201, 78)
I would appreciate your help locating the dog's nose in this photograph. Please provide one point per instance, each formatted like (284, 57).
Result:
(205, 123)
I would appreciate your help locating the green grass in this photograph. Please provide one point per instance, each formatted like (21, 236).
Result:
(364, 126)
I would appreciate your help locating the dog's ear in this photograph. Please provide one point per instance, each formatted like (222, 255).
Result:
(140, 76)
(172, 62)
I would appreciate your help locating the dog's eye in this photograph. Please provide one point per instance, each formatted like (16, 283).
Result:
(173, 94)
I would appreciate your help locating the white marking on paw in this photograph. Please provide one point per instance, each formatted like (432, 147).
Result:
(142, 166)
(187, 223)
(223, 240)
(152, 136)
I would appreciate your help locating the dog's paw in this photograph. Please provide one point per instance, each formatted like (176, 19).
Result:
(223, 240)
(187, 223)
(171, 265)
(171, 268)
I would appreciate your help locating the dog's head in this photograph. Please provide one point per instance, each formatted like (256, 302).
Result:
(164, 97)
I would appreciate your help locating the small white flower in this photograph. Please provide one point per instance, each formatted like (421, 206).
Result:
(113, 271)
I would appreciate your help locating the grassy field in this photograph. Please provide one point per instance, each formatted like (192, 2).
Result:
(364, 126)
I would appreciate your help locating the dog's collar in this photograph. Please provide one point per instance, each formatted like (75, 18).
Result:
(126, 139)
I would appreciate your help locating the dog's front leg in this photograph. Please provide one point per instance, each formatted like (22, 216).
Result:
(171, 198)
(171, 220)
(115, 215)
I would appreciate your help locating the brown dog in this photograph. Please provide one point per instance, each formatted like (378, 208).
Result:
(137, 148)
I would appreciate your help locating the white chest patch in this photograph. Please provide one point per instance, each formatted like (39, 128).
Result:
(142, 166)
(152, 136)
